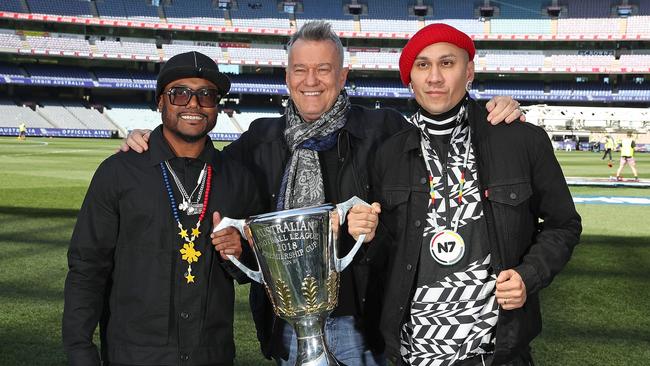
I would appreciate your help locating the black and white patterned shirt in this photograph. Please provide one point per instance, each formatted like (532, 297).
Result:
(454, 311)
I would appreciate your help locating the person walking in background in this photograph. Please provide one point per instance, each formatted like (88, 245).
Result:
(627, 157)
(609, 146)
(22, 131)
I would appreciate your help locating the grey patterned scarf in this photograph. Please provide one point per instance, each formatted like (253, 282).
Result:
(302, 184)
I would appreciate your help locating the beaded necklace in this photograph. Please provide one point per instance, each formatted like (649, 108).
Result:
(188, 253)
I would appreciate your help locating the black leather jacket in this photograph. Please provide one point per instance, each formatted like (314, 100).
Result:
(264, 151)
(521, 184)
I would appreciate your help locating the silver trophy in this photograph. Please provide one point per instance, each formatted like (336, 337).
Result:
(297, 254)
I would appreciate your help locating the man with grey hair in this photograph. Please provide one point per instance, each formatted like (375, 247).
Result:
(319, 151)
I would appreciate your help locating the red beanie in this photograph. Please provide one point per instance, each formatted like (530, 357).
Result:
(432, 33)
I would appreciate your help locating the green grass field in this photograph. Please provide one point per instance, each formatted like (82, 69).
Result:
(595, 313)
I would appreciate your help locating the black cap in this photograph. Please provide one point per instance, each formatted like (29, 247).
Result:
(191, 65)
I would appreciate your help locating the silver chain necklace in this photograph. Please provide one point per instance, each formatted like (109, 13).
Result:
(189, 207)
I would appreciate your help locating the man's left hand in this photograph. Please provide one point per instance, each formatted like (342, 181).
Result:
(226, 241)
(511, 290)
(504, 108)
(363, 219)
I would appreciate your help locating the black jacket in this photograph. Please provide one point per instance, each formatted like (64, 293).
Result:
(264, 151)
(126, 272)
(521, 183)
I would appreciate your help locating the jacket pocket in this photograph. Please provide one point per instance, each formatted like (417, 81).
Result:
(394, 209)
(510, 194)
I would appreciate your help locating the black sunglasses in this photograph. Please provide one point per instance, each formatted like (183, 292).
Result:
(181, 96)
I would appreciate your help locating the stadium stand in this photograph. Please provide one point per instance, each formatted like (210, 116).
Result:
(253, 54)
(520, 26)
(127, 9)
(387, 16)
(12, 115)
(638, 24)
(259, 12)
(15, 6)
(521, 9)
(568, 26)
(90, 117)
(124, 48)
(57, 72)
(68, 44)
(313, 9)
(503, 59)
(587, 9)
(581, 57)
(131, 116)
(78, 8)
(10, 70)
(450, 9)
(170, 50)
(239, 122)
(59, 116)
(10, 42)
(194, 12)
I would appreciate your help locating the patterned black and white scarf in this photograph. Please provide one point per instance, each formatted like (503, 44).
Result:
(302, 183)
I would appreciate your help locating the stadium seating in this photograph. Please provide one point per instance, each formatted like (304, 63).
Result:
(572, 60)
(10, 70)
(638, 25)
(450, 9)
(90, 117)
(170, 50)
(57, 72)
(12, 115)
(469, 26)
(313, 9)
(58, 44)
(259, 13)
(388, 16)
(636, 61)
(239, 122)
(114, 48)
(377, 58)
(521, 9)
(194, 12)
(131, 116)
(10, 42)
(15, 6)
(504, 59)
(127, 9)
(237, 54)
(77, 8)
(520, 26)
(567, 26)
(587, 9)
(59, 116)
(513, 87)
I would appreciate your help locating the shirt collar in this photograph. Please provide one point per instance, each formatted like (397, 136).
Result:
(160, 150)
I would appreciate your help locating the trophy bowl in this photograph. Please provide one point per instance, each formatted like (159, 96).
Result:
(297, 255)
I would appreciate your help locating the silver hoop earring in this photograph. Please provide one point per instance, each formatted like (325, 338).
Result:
(410, 87)
(468, 86)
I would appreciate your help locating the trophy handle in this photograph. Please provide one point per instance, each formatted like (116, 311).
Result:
(239, 225)
(343, 208)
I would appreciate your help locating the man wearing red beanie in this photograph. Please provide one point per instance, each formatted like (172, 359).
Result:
(480, 218)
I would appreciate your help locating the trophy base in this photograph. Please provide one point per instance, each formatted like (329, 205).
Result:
(312, 349)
